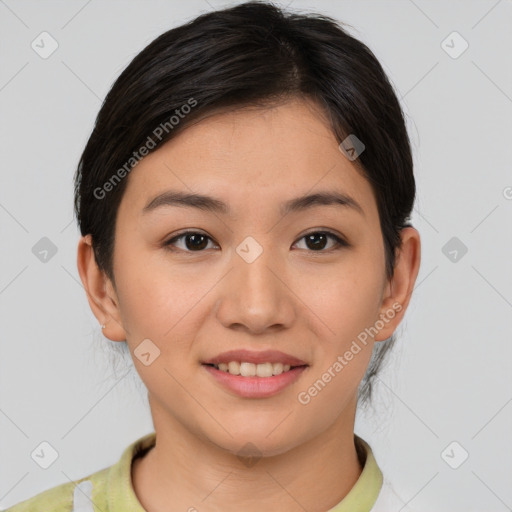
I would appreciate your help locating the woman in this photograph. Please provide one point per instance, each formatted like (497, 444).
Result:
(244, 202)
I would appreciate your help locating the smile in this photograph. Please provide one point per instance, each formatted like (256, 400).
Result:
(246, 369)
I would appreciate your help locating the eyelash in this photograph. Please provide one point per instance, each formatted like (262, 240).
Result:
(340, 242)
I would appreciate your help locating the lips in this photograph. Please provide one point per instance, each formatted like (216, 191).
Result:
(255, 387)
(248, 356)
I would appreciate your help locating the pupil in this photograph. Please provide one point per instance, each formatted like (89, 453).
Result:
(315, 245)
(195, 245)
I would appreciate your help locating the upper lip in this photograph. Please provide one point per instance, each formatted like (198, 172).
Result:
(266, 356)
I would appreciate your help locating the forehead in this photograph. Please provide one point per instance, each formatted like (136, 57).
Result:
(250, 157)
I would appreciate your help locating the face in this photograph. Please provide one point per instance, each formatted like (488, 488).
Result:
(306, 281)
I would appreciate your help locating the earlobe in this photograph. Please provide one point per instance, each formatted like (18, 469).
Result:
(101, 294)
(399, 288)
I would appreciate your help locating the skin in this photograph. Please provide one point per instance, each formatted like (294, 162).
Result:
(311, 303)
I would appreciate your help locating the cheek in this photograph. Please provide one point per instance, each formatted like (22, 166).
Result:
(352, 297)
(153, 295)
(154, 303)
(159, 307)
(350, 307)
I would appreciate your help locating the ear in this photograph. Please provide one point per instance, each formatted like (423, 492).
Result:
(398, 291)
(100, 291)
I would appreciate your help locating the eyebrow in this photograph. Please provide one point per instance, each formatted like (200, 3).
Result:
(212, 204)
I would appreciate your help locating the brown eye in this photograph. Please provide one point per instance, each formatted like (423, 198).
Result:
(193, 241)
(318, 240)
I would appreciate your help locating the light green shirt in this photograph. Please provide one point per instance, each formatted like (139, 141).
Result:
(110, 489)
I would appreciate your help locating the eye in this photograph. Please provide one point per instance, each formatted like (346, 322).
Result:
(316, 241)
(195, 241)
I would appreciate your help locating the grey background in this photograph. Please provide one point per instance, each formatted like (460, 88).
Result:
(450, 376)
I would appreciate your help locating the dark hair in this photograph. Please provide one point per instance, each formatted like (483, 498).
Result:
(252, 54)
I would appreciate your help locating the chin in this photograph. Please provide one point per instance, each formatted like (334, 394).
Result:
(257, 443)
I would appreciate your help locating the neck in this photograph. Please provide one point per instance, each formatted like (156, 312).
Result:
(191, 472)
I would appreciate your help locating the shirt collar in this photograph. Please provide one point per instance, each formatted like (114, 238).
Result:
(365, 491)
(121, 496)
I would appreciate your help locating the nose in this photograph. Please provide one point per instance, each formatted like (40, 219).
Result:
(255, 296)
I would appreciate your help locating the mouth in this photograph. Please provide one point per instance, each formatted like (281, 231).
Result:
(255, 374)
(247, 369)
(250, 380)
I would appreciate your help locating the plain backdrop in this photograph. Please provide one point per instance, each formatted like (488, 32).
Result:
(442, 422)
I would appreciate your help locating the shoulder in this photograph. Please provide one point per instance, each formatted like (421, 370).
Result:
(108, 490)
(65, 497)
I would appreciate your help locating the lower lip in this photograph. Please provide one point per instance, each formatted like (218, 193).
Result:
(256, 387)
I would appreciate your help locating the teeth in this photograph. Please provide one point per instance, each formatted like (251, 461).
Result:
(250, 369)
(263, 370)
(234, 368)
(278, 368)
